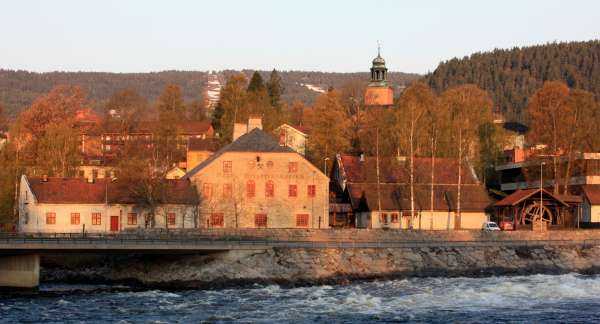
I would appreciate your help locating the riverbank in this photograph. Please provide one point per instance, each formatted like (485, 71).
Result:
(308, 266)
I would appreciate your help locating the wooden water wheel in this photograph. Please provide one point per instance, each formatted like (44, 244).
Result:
(531, 213)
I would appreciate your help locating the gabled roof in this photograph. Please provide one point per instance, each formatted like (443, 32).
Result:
(520, 195)
(397, 197)
(592, 193)
(254, 141)
(394, 170)
(79, 191)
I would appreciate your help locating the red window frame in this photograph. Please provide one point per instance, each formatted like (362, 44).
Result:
(250, 189)
(293, 190)
(75, 218)
(96, 218)
(131, 219)
(260, 220)
(227, 190)
(50, 218)
(301, 220)
(217, 220)
(395, 217)
(311, 191)
(270, 189)
(227, 167)
(206, 190)
(383, 218)
(171, 218)
(292, 167)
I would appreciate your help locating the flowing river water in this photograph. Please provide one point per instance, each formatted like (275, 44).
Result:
(535, 298)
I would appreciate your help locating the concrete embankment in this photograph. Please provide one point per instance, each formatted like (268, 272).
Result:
(426, 254)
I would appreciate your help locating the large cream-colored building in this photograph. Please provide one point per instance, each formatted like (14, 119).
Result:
(255, 182)
(76, 205)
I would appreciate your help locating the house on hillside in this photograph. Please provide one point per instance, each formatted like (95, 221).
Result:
(255, 182)
(76, 205)
(387, 203)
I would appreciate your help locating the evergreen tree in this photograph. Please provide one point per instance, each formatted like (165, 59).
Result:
(257, 84)
(275, 88)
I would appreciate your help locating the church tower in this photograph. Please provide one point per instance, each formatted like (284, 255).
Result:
(378, 92)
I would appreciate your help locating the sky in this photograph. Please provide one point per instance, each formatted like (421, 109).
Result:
(307, 35)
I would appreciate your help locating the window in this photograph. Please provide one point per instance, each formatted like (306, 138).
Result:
(75, 218)
(227, 167)
(250, 189)
(302, 220)
(292, 190)
(312, 191)
(260, 220)
(227, 190)
(171, 218)
(96, 219)
(206, 190)
(50, 218)
(148, 218)
(383, 218)
(132, 219)
(269, 189)
(293, 167)
(394, 217)
(217, 220)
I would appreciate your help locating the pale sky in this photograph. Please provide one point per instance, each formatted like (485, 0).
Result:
(336, 36)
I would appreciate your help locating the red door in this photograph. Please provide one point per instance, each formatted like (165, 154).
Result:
(114, 223)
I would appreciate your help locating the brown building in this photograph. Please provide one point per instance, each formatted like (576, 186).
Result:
(379, 93)
(255, 182)
(386, 202)
(199, 149)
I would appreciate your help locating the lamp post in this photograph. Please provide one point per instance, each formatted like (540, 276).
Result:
(542, 194)
(325, 165)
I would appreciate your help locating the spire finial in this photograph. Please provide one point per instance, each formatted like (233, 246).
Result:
(378, 48)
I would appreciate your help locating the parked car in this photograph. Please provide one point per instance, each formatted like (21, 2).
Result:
(490, 226)
(506, 225)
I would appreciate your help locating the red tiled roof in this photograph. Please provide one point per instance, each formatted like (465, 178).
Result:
(393, 170)
(592, 193)
(78, 190)
(520, 195)
(397, 197)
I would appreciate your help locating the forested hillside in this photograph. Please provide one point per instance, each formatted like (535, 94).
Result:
(512, 76)
(18, 89)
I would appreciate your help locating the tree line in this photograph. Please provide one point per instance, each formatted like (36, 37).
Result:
(512, 76)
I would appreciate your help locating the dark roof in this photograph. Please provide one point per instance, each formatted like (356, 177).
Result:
(394, 170)
(520, 195)
(149, 127)
(78, 190)
(254, 141)
(397, 197)
(203, 144)
(592, 193)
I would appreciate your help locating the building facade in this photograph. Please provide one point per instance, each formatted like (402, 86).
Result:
(292, 137)
(255, 182)
(386, 202)
(75, 205)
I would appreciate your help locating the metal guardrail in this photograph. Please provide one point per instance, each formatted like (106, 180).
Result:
(199, 242)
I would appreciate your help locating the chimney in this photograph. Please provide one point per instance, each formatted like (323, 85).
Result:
(254, 122)
(239, 129)
(282, 137)
(45, 178)
(362, 157)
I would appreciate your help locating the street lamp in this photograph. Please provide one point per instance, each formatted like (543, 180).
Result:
(542, 195)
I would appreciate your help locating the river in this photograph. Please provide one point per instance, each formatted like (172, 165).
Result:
(535, 298)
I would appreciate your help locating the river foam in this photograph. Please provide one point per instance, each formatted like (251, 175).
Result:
(569, 297)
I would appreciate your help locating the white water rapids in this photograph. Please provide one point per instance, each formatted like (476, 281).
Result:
(535, 298)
